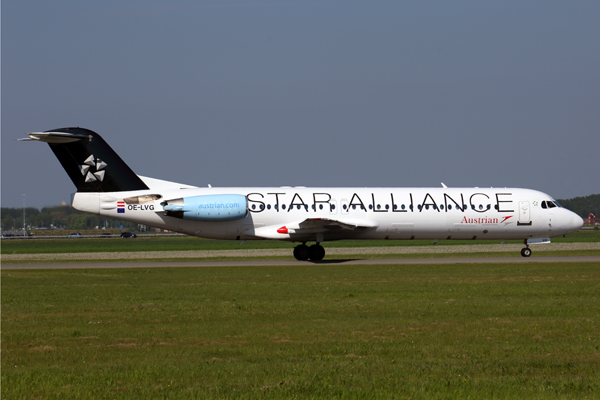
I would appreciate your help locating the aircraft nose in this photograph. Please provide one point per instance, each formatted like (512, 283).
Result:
(569, 222)
(573, 222)
(577, 223)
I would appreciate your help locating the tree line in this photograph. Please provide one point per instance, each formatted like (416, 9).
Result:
(66, 217)
(583, 206)
(59, 217)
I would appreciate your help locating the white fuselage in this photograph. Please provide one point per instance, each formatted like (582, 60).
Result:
(376, 213)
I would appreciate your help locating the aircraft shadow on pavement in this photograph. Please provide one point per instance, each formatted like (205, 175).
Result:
(332, 261)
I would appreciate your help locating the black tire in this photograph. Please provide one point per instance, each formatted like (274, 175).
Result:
(316, 252)
(526, 252)
(301, 252)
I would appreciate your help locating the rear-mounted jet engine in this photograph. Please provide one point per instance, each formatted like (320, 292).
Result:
(214, 207)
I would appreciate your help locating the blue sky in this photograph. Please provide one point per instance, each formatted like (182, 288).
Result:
(323, 93)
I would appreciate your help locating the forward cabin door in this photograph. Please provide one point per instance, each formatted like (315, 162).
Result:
(524, 213)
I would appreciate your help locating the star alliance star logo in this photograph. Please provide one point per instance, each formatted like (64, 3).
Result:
(89, 165)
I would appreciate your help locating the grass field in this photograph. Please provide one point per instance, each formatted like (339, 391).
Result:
(37, 246)
(318, 331)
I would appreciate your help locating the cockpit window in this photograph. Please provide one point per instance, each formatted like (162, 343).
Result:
(550, 204)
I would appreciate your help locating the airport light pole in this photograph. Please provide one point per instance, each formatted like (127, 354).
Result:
(24, 231)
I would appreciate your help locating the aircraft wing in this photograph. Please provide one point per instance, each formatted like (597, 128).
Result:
(328, 224)
(313, 226)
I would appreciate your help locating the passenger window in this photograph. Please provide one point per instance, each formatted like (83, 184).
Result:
(320, 206)
(268, 206)
(387, 206)
(283, 206)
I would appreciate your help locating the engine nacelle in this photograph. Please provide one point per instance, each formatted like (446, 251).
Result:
(211, 207)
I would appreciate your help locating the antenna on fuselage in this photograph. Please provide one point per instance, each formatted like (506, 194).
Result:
(444, 186)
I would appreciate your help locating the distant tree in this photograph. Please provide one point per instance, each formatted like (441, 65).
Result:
(583, 206)
(8, 222)
(18, 212)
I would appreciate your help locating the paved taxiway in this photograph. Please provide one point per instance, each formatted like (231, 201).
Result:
(291, 263)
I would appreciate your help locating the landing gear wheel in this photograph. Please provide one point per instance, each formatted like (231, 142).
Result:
(316, 252)
(526, 252)
(301, 252)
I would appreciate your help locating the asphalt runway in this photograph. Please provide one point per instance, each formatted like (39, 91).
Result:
(293, 263)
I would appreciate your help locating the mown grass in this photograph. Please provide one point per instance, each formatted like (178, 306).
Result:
(331, 258)
(182, 243)
(318, 331)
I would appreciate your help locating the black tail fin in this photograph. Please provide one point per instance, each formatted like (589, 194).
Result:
(91, 163)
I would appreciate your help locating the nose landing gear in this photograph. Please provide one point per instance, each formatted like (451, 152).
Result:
(526, 252)
(302, 252)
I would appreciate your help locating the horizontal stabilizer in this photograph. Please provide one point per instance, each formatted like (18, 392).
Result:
(55, 137)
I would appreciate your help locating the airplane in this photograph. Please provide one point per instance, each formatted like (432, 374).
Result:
(108, 187)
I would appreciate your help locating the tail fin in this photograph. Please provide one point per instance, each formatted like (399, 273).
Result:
(91, 163)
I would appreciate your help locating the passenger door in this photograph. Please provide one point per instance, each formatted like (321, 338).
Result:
(524, 213)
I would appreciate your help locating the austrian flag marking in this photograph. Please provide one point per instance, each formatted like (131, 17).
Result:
(121, 207)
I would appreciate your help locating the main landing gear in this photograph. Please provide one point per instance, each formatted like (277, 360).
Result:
(302, 252)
